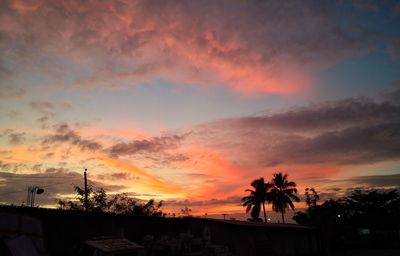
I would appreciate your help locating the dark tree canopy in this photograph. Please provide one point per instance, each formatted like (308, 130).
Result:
(98, 200)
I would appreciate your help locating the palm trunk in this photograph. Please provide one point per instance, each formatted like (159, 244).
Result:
(265, 215)
(283, 217)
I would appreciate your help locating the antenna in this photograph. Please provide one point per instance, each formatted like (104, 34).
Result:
(86, 190)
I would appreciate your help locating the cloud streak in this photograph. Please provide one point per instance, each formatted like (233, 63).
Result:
(152, 145)
(64, 134)
(372, 181)
(343, 132)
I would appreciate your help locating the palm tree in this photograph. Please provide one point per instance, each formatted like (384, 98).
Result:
(257, 198)
(282, 194)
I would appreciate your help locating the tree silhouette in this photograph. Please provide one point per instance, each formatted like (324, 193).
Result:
(98, 200)
(312, 197)
(282, 193)
(342, 220)
(186, 211)
(124, 204)
(257, 198)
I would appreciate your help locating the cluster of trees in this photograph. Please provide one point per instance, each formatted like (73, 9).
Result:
(363, 219)
(369, 209)
(99, 201)
(280, 192)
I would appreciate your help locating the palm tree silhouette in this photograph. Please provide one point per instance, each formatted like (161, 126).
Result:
(282, 193)
(257, 198)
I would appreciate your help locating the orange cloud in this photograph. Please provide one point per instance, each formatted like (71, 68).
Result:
(150, 182)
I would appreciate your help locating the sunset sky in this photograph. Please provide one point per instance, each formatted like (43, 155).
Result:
(189, 101)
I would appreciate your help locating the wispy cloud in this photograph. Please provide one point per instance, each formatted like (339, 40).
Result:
(152, 145)
(343, 132)
(161, 151)
(64, 134)
(10, 92)
(14, 137)
(373, 181)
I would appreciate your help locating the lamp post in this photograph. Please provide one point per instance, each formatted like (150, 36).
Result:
(32, 191)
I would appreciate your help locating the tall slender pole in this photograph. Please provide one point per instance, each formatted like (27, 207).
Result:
(28, 197)
(33, 194)
(86, 191)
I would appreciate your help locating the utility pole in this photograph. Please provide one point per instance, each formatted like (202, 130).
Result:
(32, 191)
(86, 191)
(28, 197)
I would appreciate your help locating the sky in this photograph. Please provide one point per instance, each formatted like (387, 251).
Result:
(190, 101)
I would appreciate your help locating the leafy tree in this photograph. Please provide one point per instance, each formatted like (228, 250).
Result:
(98, 200)
(282, 193)
(259, 195)
(361, 208)
(123, 204)
(373, 208)
(186, 211)
(341, 219)
(312, 197)
(328, 213)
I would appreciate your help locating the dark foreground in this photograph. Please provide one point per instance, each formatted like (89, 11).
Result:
(60, 232)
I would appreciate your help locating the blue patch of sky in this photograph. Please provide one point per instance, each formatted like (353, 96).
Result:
(368, 74)
(360, 76)
(162, 105)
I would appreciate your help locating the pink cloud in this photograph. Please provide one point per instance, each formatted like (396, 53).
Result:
(247, 46)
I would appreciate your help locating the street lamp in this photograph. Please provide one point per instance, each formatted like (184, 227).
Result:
(32, 191)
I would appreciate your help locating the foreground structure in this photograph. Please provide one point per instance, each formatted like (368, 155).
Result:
(60, 232)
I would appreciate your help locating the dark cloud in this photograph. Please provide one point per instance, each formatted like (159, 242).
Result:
(391, 180)
(326, 116)
(176, 158)
(5, 152)
(49, 155)
(355, 145)
(48, 107)
(10, 92)
(117, 176)
(55, 181)
(335, 189)
(5, 166)
(152, 145)
(212, 202)
(4, 72)
(42, 106)
(64, 134)
(14, 115)
(11, 167)
(43, 120)
(351, 131)
(393, 94)
(394, 50)
(16, 138)
(48, 110)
